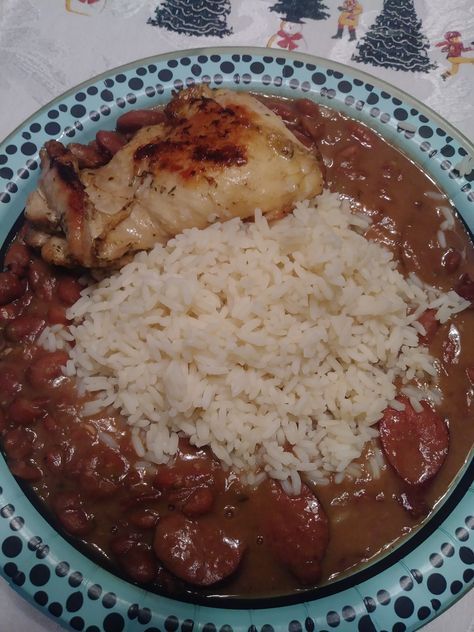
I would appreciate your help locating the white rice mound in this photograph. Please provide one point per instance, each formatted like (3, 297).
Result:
(276, 345)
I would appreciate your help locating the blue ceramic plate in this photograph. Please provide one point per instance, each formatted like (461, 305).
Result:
(399, 591)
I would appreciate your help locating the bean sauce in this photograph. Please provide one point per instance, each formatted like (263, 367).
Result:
(136, 517)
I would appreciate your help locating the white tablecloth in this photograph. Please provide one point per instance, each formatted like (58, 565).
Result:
(49, 46)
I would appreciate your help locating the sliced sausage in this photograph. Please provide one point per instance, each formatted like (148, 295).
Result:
(198, 552)
(295, 529)
(135, 120)
(415, 444)
(11, 287)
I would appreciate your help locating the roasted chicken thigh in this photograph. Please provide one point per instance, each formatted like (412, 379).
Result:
(216, 155)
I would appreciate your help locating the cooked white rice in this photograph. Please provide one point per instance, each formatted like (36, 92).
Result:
(277, 346)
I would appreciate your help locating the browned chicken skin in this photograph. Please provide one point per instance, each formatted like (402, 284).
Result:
(217, 155)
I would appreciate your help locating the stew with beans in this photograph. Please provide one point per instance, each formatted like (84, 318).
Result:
(190, 527)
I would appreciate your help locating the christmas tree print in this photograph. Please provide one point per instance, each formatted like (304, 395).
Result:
(295, 10)
(194, 17)
(396, 40)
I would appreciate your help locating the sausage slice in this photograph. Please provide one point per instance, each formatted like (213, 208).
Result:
(296, 530)
(415, 444)
(198, 552)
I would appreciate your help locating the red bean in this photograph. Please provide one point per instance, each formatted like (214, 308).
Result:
(17, 258)
(88, 156)
(295, 529)
(24, 411)
(71, 514)
(451, 260)
(185, 474)
(136, 119)
(199, 503)
(121, 544)
(362, 134)
(413, 503)
(14, 309)
(140, 564)
(24, 328)
(9, 312)
(69, 290)
(313, 128)
(307, 107)
(54, 459)
(102, 472)
(430, 325)
(111, 142)
(189, 485)
(41, 280)
(47, 368)
(26, 470)
(465, 287)
(18, 443)
(470, 374)
(11, 381)
(198, 552)
(415, 444)
(3, 422)
(143, 518)
(11, 287)
(140, 498)
(57, 315)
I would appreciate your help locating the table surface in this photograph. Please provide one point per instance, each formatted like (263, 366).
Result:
(50, 46)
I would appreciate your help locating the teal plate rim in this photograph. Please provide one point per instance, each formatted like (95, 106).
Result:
(400, 590)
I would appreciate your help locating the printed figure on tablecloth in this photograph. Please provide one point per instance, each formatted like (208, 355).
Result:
(349, 16)
(85, 7)
(194, 17)
(290, 34)
(396, 40)
(454, 47)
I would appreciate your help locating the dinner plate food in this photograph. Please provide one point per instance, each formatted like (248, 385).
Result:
(237, 350)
